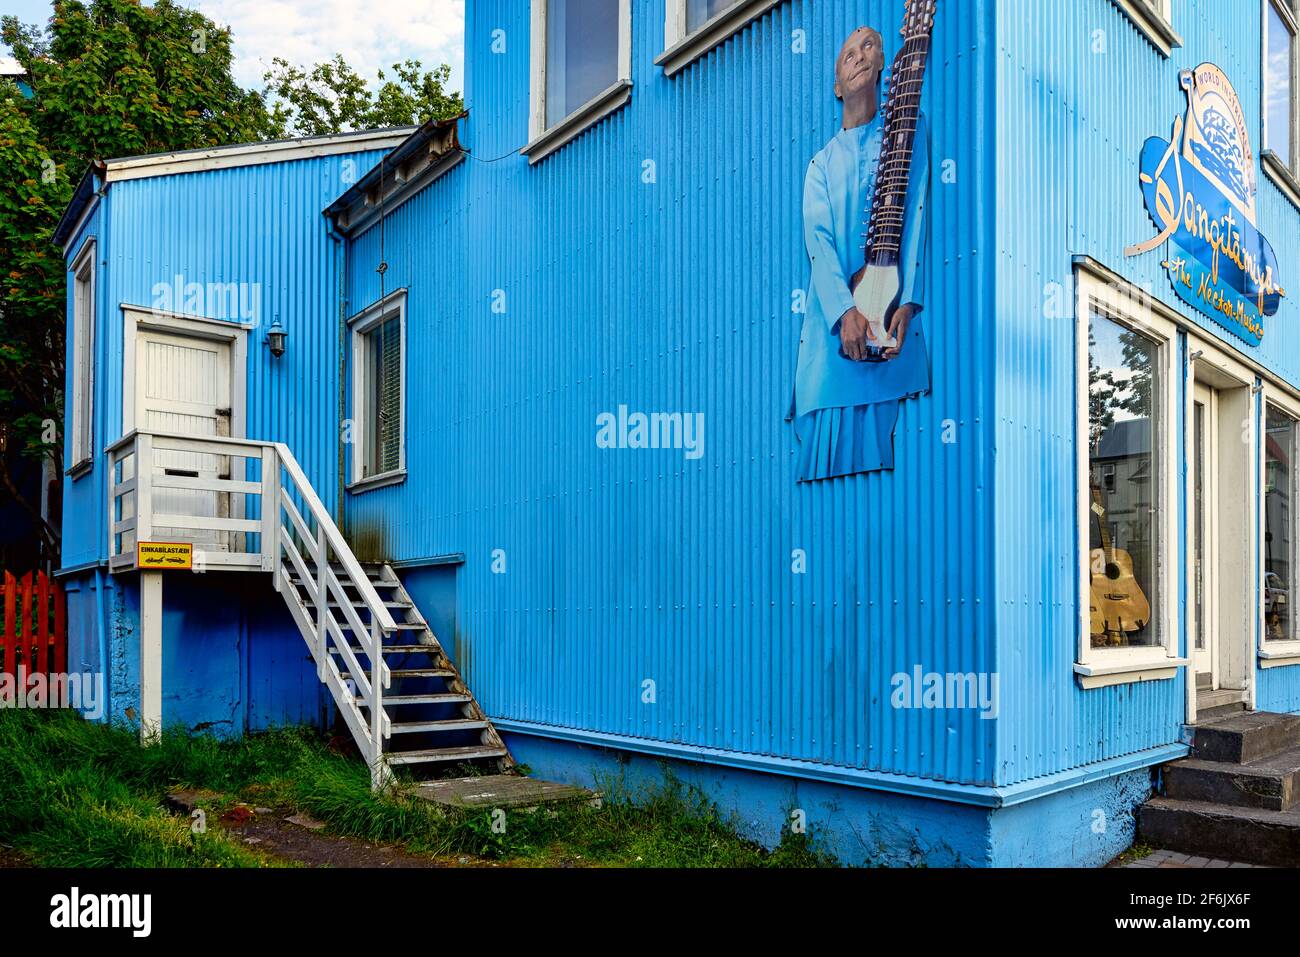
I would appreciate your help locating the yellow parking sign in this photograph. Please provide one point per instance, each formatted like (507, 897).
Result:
(154, 555)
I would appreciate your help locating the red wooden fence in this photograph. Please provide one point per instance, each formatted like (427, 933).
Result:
(35, 634)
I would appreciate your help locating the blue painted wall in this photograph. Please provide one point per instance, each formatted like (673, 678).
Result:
(1079, 91)
(626, 566)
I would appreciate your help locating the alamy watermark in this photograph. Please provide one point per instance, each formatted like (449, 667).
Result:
(651, 430)
(82, 692)
(934, 690)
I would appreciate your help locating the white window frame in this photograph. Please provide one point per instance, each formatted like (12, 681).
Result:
(361, 324)
(1287, 652)
(1131, 308)
(682, 48)
(545, 140)
(1287, 178)
(80, 377)
(1154, 20)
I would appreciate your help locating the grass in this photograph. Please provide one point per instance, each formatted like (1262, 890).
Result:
(74, 794)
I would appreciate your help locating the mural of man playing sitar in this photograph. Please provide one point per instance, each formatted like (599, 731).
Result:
(862, 349)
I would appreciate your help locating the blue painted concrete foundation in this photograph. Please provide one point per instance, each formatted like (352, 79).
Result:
(1083, 826)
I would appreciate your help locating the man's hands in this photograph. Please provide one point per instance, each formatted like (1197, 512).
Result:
(855, 332)
(898, 324)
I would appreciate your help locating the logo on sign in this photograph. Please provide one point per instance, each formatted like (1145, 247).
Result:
(164, 555)
(1199, 188)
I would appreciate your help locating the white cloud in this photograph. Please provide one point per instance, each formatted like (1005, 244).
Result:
(371, 34)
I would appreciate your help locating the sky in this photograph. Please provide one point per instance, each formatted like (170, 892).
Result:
(370, 34)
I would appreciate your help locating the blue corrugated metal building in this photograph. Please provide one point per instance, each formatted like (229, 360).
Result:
(976, 656)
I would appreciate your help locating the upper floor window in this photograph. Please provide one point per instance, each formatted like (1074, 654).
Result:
(693, 27)
(1281, 82)
(699, 12)
(379, 390)
(81, 370)
(1154, 19)
(582, 54)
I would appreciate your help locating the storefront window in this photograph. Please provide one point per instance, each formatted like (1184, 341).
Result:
(1279, 540)
(1123, 421)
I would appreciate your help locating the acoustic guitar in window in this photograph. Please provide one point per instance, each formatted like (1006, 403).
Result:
(1117, 605)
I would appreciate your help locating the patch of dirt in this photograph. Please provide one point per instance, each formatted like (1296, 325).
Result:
(271, 834)
(11, 858)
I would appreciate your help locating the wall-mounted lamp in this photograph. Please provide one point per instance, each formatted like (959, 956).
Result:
(276, 338)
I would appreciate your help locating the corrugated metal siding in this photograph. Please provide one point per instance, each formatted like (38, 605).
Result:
(624, 566)
(83, 541)
(1071, 125)
(259, 225)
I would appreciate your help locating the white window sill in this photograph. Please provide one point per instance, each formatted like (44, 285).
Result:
(1274, 654)
(1151, 25)
(581, 119)
(694, 45)
(1119, 669)
(84, 467)
(370, 482)
(1283, 178)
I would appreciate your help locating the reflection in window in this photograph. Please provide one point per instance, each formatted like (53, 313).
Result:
(699, 12)
(1123, 419)
(581, 53)
(1279, 543)
(1279, 84)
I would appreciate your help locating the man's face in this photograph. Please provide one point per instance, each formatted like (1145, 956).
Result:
(859, 64)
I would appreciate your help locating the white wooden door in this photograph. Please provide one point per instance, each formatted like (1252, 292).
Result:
(183, 386)
(1203, 537)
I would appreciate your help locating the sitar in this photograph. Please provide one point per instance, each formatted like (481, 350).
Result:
(878, 284)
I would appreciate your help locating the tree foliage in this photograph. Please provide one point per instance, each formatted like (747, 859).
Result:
(332, 98)
(112, 78)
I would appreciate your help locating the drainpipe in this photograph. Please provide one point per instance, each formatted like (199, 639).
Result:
(340, 262)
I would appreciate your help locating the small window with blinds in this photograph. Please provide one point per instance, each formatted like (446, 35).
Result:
(378, 391)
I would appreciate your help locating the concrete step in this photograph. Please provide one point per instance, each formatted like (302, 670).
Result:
(1271, 783)
(1249, 835)
(1249, 736)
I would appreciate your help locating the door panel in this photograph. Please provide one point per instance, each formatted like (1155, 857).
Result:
(1202, 535)
(183, 386)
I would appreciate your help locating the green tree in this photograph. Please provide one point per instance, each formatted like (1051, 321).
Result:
(109, 78)
(332, 98)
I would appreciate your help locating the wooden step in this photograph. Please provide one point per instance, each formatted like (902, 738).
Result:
(413, 673)
(396, 605)
(439, 698)
(396, 650)
(435, 755)
(418, 727)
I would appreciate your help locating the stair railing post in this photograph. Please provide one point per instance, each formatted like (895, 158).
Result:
(143, 487)
(271, 514)
(322, 599)
(379, 776)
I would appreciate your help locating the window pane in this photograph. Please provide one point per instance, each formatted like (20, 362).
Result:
(581, 53)
(1279, 484)
(1278, 88)
(383, 433)
(698, 12)
(1123, 385)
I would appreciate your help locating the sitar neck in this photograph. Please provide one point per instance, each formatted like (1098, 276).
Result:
(902, 109)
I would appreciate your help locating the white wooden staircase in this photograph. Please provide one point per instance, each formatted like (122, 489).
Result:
(397, 690)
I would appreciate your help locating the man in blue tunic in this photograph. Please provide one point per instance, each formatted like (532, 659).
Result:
(846, 409)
